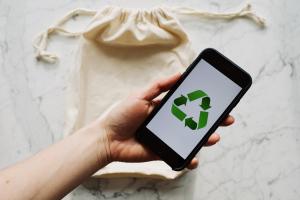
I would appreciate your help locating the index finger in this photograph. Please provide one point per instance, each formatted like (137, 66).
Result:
(159, 87)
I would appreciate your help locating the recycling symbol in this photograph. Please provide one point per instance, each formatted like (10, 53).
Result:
(189, 121)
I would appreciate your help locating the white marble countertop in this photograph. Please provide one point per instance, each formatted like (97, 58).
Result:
(257, 158)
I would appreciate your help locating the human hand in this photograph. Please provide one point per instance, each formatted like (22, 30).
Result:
(122, 121)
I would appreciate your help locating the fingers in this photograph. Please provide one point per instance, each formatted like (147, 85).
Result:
(193, 164)
(228, 121)
(159, 87)
(153, 104)
(213, 139)
(157, 101)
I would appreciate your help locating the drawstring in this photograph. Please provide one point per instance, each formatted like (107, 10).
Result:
(245, 12)
(41, 41)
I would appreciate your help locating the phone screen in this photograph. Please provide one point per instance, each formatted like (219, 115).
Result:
(193, 108)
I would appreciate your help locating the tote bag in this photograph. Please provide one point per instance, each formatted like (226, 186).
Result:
(120, 51)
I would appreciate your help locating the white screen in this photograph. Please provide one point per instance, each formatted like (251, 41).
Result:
(178, 131)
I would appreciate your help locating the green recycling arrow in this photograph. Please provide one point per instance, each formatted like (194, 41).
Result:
(203, 115)
(178, 113)
(190, 123)
(180, 100)
(205, 103)
(202, 119)
(196, 95)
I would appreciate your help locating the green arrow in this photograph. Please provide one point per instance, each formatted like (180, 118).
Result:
(196, 95)
(178, 113)
(202, 119)
(205, 103)
(190, 123)
(180, 100)
(203, 115)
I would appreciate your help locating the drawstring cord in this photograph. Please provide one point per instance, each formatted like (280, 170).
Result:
(244, 12)
(41, 41)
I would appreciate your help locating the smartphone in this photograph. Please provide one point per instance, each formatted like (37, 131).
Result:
(194, 108)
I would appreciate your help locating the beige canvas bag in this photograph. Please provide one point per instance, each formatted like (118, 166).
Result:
(120, 51)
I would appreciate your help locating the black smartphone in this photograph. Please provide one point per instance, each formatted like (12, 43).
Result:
(194, 108)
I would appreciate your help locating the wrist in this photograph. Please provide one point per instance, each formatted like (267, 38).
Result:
(96, 135)
(105, 144)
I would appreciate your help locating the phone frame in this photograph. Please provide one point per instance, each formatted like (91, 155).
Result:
(223, 65)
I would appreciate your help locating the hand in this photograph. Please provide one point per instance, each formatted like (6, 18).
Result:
(122, 121)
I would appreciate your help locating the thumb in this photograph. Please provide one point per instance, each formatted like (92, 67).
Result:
(159, 87)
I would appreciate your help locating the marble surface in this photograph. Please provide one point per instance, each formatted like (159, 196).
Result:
(257, 158)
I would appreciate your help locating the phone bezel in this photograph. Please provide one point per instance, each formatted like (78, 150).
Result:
(226, 67)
